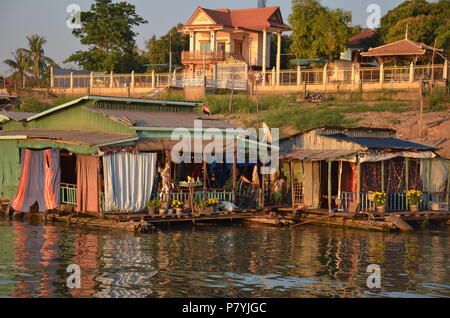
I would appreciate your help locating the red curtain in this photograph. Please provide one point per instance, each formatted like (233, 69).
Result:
(87, 184)
(349, 177)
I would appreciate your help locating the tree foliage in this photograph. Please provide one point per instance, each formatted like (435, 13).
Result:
(318, 31)
(426, 21)
(107, 29)
(35, 52)
(158, 50)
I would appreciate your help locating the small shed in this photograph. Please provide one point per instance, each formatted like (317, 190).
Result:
(338, 168)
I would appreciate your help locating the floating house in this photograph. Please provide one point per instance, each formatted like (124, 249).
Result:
(103, 154)
(336, 169)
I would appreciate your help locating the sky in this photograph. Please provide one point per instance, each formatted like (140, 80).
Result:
(21, 18)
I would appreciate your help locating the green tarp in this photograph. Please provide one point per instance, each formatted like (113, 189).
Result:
(9, 169)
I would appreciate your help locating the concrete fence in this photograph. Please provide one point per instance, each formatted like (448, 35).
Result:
(326, 79)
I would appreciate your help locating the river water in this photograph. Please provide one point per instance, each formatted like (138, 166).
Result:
(221, 261)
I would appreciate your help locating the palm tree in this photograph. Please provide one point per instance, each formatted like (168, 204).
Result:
(20, 63)
(35, 50)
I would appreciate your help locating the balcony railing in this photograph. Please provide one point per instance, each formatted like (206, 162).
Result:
(68, 194)
(200, 57)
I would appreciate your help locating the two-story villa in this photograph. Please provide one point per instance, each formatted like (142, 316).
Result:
(224, 37)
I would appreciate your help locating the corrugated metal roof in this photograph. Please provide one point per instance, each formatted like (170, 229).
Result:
(114, 99)
(392, 143)
(160, 119)
(79, 136)
(17, 116)
(317, 155)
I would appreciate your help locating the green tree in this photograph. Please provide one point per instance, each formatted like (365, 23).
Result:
(285, 44)
(317, 30)
(108, 31)
(35, 51)
(21, 63)
(426, 21)
(159, 49)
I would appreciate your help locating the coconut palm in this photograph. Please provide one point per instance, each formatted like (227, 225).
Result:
(20, 63)
(35, 50)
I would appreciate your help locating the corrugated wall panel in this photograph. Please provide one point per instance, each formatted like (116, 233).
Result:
(9, 169)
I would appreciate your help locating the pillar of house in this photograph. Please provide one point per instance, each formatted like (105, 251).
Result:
(153, 79)
(325, 74)
(381, 73)
(411, 72)
(52, 80)
(445, 72)
(273, 77)
(71, 80)
(299, 75)
(213, 41)
(192, 42)
(278, 58)
(132, 80)
(111, 80)
(264, 57)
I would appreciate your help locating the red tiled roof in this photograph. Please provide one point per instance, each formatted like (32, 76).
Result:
(256, 18)
(402, 47)
(356, 40)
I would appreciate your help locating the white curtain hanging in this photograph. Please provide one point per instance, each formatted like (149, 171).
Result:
(128, 181)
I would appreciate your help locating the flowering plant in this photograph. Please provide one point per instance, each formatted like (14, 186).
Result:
(414, 197)
(211, 202)
(177, 204)
(379, 198)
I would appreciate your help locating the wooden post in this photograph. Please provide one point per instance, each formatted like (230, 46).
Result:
(432, 64)
(411, 72)
(292, 185)
(234, 172)
(407, 179)
(111, 80)
(169, 161)
(448, 184)
(263, 189)
(358, 184)
(330, 168)
(445, 71)
(278, 58)
(205, 180)
(299, 75)
(273, 77)
(382, 176)
(340, 181)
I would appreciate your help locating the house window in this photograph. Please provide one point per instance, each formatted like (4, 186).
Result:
(205, 47)
(221, 46)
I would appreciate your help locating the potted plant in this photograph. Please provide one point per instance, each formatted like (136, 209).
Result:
(178, 205)
(153, 206)
(414, 198)
(379, 198)
(210, 205)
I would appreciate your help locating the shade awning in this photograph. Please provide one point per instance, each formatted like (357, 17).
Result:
(317, 155)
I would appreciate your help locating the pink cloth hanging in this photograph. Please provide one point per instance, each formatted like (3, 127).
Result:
(87, 184)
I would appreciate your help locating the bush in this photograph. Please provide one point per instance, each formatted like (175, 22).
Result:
(437, 98)
(32, 105)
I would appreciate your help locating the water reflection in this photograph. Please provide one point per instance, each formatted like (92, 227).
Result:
(232, 261)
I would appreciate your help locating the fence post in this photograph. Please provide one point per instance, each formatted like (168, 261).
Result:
(411, 72)
(382, 73)
(52, 80)
(299, 75)
(71, 80)
(111, 80)
(273, 77)
(91, 80)
(132, 79)
(325, 75)
(445, 71)
(153, 79)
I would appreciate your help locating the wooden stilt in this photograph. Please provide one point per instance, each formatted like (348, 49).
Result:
(291, 170)
(263, 189)
(234, 172)
(330, 167)
(382, 176)
(358, 184)
(205, 180)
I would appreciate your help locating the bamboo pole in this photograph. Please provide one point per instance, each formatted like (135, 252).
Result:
(292, 185)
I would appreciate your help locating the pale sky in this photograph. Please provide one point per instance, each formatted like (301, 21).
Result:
(20, 18)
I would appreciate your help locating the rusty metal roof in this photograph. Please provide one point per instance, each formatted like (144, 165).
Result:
(402, 47)
(317, 155)
(93, 138)
(17, 116)
(160, 119)
(390, 143)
